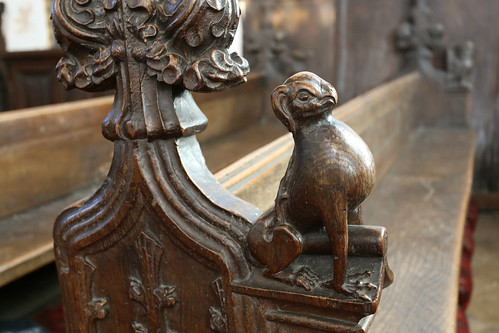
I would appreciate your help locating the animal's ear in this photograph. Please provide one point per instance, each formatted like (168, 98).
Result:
(280, 106)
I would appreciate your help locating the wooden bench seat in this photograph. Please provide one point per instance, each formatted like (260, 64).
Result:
(26, 237)
(424, 182)
(421, 197)
(423, 201)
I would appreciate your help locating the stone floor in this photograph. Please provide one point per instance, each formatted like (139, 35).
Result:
(483, 311)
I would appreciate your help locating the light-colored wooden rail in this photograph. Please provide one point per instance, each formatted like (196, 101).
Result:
(421, 197)
(34, 193)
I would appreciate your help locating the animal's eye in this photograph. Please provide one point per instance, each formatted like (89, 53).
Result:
(303, 96)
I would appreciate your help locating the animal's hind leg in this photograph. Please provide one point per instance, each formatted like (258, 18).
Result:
(335, 220)
(355, 216)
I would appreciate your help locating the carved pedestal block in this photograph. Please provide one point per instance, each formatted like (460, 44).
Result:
(293, 309)
(161, 246)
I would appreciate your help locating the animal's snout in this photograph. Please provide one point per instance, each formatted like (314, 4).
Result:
(328, 91)
(327, 101)
(326, 104)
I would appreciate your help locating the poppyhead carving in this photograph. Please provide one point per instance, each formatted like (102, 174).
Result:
(182, 42)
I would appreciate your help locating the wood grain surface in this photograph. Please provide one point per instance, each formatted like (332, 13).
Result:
(423, 196)
(50, 156)
(423, 201)
(32, 189)
(51, 151)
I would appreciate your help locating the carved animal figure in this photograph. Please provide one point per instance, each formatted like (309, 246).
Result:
(330, 173)
(460, 64)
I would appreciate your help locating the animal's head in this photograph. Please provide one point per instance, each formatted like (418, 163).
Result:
(303, 95)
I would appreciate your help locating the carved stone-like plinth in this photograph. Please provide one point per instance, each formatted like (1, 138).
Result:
(294, 309)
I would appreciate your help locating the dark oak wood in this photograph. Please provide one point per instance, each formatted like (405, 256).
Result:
(32, 81)
(397, 113)
(427, 185)
(330, 173)
(69, 133)
(123, 253)
(371, 115)
(353, 47)
(425, 193)
(390, 108)
(427, 190)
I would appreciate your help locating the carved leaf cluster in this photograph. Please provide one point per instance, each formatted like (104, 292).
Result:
(98, 70)
(197, 58)
(165, 295)
(217, 71)
(182, 42)
(165, 66)
(218, 315)
(82, 27)
(218, 322)
(96, 309)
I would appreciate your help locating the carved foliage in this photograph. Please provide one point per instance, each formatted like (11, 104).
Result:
(218, 315)
(460, 66)
(181, 42)
(149, 292)
(93, 308)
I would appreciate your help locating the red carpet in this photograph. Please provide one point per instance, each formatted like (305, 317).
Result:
(52, 319)
(466, 277)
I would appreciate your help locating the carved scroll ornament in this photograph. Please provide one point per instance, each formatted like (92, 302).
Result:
(161, 246)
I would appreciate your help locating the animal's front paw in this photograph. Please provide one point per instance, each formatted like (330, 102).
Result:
(359, 276)
(355, 286)
(360, 286)
(306, 278)
(356, 290)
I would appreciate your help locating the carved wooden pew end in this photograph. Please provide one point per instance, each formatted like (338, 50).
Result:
(162, 246)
